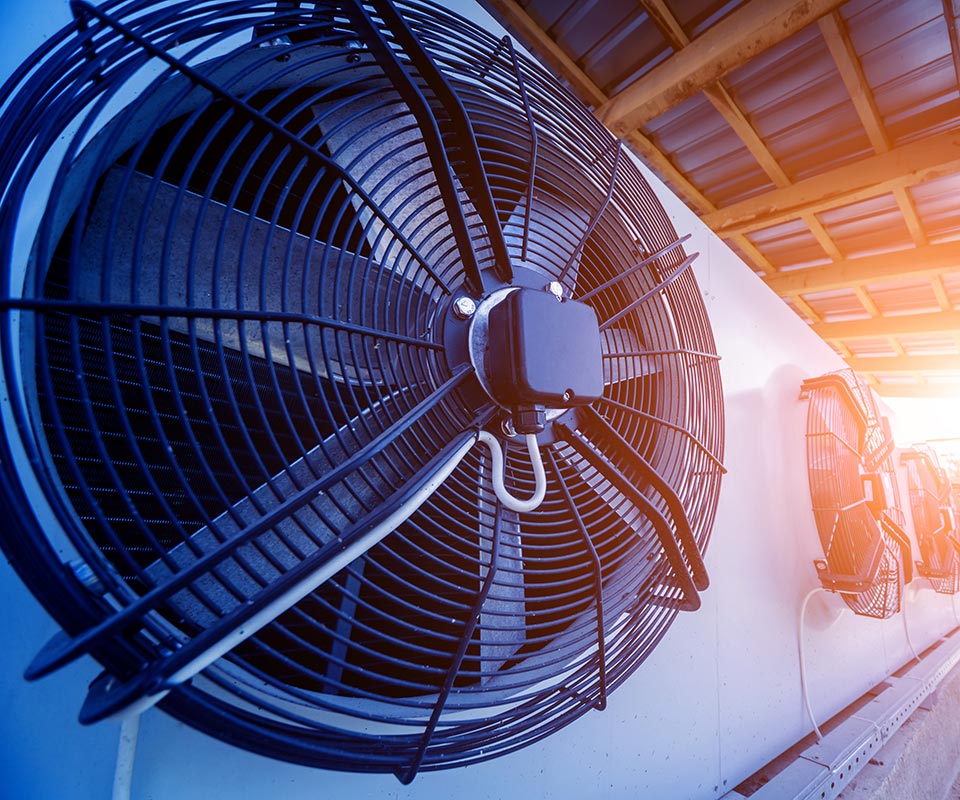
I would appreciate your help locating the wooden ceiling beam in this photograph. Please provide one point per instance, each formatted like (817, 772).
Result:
(910, 164)
(516, 20)
(845, 56)
(734, 40)
(912, 364)
(920, 262)
(725, 105)
(838, 41)
(899, 325)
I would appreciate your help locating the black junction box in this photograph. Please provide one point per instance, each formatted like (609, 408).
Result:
(544, 351)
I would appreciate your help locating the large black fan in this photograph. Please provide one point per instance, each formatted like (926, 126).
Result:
(931, 504)
(854, 494)
(361, 406)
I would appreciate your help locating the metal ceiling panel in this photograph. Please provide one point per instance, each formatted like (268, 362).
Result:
(789, 245)
(872, 226)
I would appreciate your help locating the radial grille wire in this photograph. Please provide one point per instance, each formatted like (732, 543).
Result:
(230, 347)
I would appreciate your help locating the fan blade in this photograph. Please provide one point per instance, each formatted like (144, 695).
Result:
(503, 615)
(623, 356)
(291, 539)
(152, 244)
(376, 140)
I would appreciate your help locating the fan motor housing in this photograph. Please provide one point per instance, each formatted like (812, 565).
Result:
(544, 351)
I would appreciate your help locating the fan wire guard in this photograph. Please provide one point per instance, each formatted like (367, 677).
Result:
(854, 495)
(228, 349)
(934, 520)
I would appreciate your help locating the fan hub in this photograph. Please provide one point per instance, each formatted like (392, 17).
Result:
(544, 350)
(534, 353)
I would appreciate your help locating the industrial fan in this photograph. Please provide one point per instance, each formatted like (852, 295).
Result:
(360, 405)
(931, 504)
(854, 494)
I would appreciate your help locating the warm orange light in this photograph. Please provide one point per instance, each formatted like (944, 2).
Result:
(915, 419)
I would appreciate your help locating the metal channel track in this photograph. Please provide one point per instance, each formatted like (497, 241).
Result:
(826, 768)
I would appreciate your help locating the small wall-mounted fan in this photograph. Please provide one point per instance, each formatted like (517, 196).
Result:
(932, 507)
(361, 407)
(854, 494)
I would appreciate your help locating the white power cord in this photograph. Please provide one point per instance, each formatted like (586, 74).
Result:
(357, 548)
(126, 754)
(803, 663)
(906, 631)
(496, 470)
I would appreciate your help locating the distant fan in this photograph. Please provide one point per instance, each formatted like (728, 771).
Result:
(931, 503)
(363, 408)
(854, 494)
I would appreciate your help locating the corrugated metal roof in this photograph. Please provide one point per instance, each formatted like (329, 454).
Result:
(840, 143)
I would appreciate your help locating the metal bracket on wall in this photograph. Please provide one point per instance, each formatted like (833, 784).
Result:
(825, 768)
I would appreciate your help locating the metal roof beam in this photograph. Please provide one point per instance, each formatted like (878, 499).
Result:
(920, 262)
(905, 363)
(751, 29)
(900, 325)
(910, 164)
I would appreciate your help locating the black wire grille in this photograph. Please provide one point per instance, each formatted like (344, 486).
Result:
(230, 352)
(854, 494)
(932, 508)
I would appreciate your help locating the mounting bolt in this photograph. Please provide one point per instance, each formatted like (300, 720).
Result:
(556, 289)
(464, 307)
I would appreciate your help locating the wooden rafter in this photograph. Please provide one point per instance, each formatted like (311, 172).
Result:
(867, 301)
(951, 20)
(724, 103)
(515, 19)
(940, 292)
(844, 54)
(921, 262)
(751, 29)
(900, 325)
(907, 165)
(806, 309)
(904, 363)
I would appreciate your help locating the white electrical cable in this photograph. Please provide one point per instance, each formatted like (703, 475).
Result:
(803, 663)
(496, 470)
(340, 560)
(126, 754)
(906, 631)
